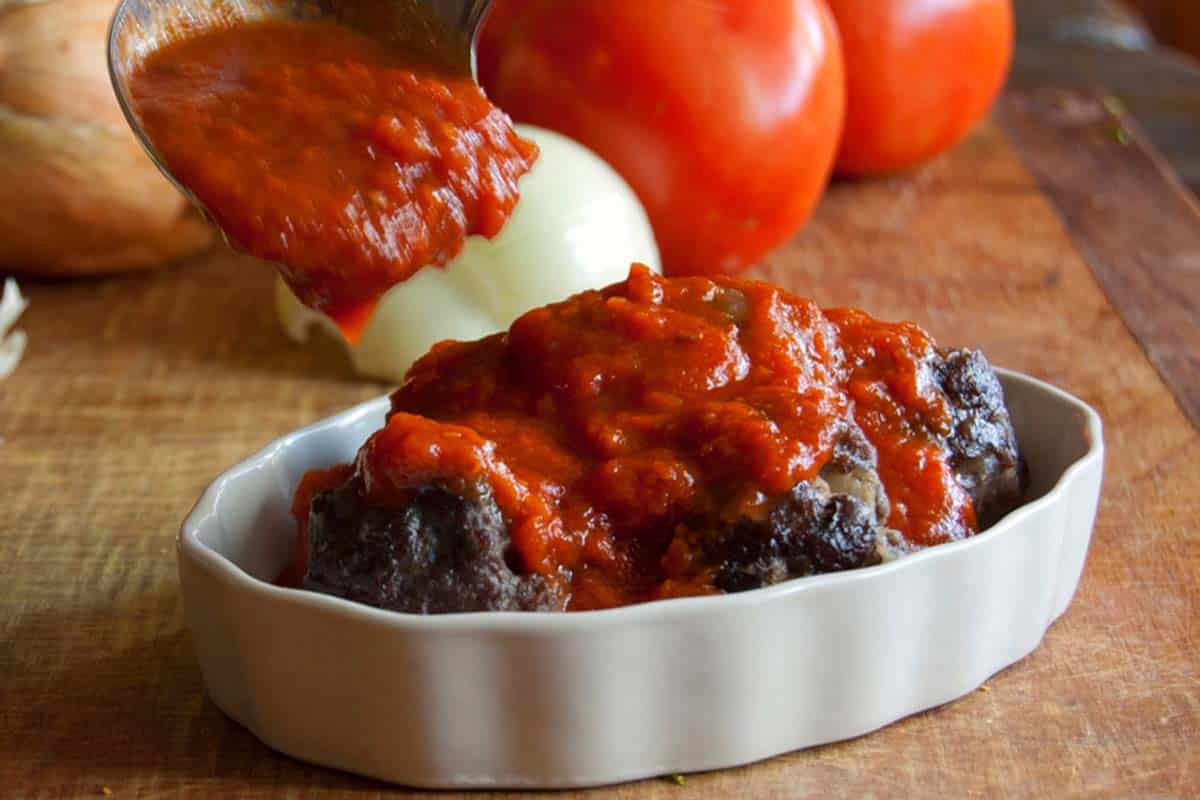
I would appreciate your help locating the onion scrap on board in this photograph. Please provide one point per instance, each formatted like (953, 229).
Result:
(12, 345)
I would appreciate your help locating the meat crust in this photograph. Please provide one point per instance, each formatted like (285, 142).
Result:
(441, 553)
(983, 444)
(444, 551)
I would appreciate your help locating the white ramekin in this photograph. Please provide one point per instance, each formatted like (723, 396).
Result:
(494, 700)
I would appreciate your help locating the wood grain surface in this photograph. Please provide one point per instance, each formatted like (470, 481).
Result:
(136, 391)
(1137, 224)
(1084, 44)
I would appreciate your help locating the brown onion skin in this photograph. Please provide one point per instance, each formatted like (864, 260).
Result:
(78, 196)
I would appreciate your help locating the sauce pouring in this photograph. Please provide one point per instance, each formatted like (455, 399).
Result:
(347, 142)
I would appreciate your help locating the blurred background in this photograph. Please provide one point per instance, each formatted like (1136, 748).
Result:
(1144, 51)
(1175, 21)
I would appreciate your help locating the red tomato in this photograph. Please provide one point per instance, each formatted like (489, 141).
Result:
(920, 74)
(724, 115)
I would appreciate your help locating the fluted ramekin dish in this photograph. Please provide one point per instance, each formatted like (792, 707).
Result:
(549, 700)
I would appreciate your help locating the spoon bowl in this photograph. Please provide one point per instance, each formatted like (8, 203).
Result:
(447, 28)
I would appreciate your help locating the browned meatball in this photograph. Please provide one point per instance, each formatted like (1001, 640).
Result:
(450, 552)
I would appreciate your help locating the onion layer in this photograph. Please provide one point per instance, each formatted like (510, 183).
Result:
(577, 226)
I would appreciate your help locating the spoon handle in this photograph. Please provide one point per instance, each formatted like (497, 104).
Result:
(462, 15)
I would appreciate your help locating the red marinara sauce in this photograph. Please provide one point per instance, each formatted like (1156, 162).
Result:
(601, 422)
(349, 162)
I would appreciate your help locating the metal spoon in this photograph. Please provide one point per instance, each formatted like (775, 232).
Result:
(139, 27)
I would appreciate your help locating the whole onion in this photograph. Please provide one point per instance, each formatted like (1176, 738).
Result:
(77, 194)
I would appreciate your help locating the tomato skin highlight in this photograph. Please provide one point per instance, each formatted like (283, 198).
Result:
(723, 115)
(920, 75)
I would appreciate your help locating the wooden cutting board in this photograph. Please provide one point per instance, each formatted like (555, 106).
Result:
(1052, 239)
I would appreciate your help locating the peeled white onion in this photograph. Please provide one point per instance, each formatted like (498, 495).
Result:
(12, 345)
(577, 226)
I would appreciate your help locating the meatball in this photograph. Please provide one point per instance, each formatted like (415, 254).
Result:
(440, 553)
(444, 552)
(662, 437)
(838, 521)
(983, 445)
(811, 532)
